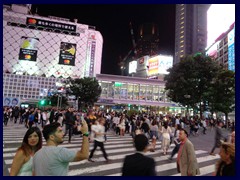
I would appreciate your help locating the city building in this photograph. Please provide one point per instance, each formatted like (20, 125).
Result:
(154, 67)
(134, 91)
(38, 51)
(49, 46)
(191, 30)
(148, 40)
(221, 34)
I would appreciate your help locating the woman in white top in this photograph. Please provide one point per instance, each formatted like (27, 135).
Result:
(166, 131)
(22, 161)
(122, 125)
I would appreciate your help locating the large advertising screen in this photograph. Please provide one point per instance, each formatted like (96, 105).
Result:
(153, 66)
(67, 53)
(159, 64)
(132, 67)
(28, 50)
(219, 18)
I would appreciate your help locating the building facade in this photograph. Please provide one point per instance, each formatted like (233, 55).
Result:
(27, 88)
(191, 29)
(49, 46)
(132, 90)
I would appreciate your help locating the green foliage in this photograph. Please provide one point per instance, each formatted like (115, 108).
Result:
(199, 79)
(87, 90)
(222, 94)
(53, 100)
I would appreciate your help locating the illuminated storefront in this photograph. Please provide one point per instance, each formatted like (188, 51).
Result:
(132, 90)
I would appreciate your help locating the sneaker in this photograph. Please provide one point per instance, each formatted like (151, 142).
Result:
(212, 154)
(89, 159)
(169, 158)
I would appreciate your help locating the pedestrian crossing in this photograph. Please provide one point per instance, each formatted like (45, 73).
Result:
(116, 147)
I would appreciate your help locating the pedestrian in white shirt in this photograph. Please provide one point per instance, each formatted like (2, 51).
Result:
(99, 131)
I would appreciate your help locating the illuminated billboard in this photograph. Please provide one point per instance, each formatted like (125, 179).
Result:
(219, 18)
(231, 50)
(28, 50)
(159, 64)
(132, 67)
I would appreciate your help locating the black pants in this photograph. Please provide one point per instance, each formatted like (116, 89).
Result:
(101, 145)
(204, 130)
(69, 128)
(5, 121)
(175, 150)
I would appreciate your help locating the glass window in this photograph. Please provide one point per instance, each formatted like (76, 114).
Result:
(136, 91)
(149, 92)
(130, 91)
(123, 91)
(142, 92)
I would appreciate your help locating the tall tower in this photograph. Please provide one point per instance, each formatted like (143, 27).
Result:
(148, 41)
(191, 29)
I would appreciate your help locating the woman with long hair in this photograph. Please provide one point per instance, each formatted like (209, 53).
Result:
(166, 131)
(22, 161)
(226, 165)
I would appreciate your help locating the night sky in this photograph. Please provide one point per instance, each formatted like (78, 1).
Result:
(112, 21)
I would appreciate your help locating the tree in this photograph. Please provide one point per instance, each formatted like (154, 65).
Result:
(222, 94)
(87, 90)
(58, 98)
(189, 80)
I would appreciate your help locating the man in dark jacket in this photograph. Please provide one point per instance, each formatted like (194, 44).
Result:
(69, 121)
(138, 164)
(218, 137)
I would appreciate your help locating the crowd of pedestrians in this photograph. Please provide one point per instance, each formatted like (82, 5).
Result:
(93, 127)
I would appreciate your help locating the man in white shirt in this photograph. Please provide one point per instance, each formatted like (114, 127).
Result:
(99, 132)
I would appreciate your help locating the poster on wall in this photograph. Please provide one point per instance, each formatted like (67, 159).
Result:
(67, 54)
(7, 101)
(28, 50)
(92, 59)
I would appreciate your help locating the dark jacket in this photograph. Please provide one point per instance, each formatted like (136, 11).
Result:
(226, 169)
(138, 165)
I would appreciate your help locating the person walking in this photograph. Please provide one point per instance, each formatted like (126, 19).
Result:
(218, 137)
(23, 159)
(138, 164)
(53, 160)
(166, 131)
(186, 160)
(226, 165)
(99, 132)
(177, 142)
(70, 122)
(153, 134)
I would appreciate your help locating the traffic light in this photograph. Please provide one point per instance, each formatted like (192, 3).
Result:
(42, 102)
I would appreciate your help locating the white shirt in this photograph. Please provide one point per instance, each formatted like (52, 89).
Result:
(99, 129)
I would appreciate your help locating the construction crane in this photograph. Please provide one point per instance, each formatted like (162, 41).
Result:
(133, 49)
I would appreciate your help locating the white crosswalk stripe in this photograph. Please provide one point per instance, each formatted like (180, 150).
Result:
(116, 147)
